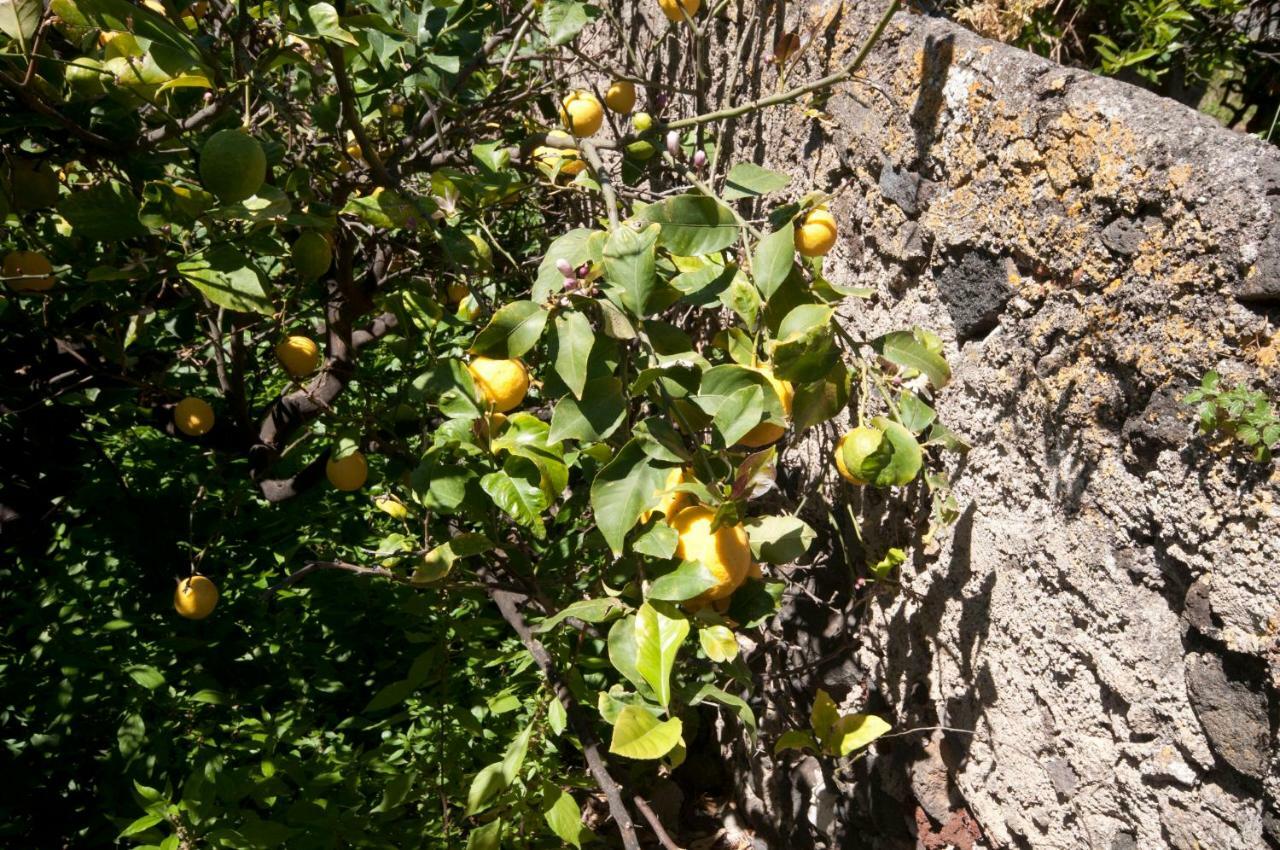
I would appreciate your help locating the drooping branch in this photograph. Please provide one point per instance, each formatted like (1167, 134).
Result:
(508, 603)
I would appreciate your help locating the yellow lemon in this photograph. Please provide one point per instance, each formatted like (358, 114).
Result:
(195, 597)
(502, 384)
(27, 271)
(671, 8)
(581, 113)
(347, 473)
(673, 500)
(193, 416)
(725, 552)
(621, 97)
(769, 432)
(299, 356)
(816, 234)
(468, 309)
(853, 450)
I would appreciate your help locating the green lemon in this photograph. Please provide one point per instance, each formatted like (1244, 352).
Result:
(311, 255)
(642, 122)
(232, 165)
(641, 150)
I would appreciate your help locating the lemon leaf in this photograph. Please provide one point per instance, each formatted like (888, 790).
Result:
(659, 632)
(855, 731)
(640, 735)
(719, 643)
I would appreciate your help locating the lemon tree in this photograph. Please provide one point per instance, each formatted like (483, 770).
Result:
(357, 325)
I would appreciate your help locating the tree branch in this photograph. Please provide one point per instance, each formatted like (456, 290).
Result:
(347, 97)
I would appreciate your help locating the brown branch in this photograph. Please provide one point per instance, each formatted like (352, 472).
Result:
(664, 838)
(37, 105)
(508, 603)
(318, 566)
(347, 98)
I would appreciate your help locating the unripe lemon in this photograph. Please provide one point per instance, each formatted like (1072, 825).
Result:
(347, 473)
(85, 79)
(726, 552)
(27, 271)
(581, 113)
(193, 416)
(502, 384)
(641, 150)
(673, 500)
(232, 165)
(621, 97)
(312, 255)
(671, 8)
(642, 122)
(455, 292)
(195, 597)
(852, 452)
(769, 432)
(299, 355)
(816, 234)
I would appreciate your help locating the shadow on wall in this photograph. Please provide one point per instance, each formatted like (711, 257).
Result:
(934, 67)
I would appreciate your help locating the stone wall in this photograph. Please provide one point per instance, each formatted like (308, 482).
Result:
(1102, 621)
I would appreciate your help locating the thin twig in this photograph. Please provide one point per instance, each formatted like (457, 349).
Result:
(654, 823)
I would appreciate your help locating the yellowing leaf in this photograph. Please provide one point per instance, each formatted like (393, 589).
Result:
(719, 643)
(640, 735)
(855, 731)
(824, 715)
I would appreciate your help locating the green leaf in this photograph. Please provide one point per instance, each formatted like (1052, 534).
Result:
(122, 15)
(659, 632)
(904, 349)
(146, 676)
(684, 582)
(512, 331)
(142, 824)
(779, 539)
(916, 415)
(557, 717)
(574, 341)
(19, 19)
(623, 653)
(659, 541)
(228, 279)
(624, 489)
(603, 408)
(773, 259)
(907, 457)
(855, 731)
(562, 20)
(107, 212)
(325, 20)
(171, 204)
(640, 735)
(516, 491)
(748, 180)
(390, 210)
(630, 267)
(209, 696)
(586, 610)
(693, 224)
(805, 350)
(739, 412)
(562, 815)
(486, 785)
(513, 760)
(883, 568)
(816, 402)
(719, 643)
(823, 715)
(795, 739)
(487, 837)
(740, 707)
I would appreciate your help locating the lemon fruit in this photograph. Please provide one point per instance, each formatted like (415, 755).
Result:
(673, 500)
(642, 122)
(566, 159)
(671, 8)
(581, 113)
(85, 78)
(347, 473)
(33, 184)
(621, 97)
(816, 235)
(311, 254)
(502, 384)
(232, 165)
(28, 271)
(853, 454)
(726, 552)
(455, 292)
(769, 432)
(195, 597)
(193, 416)
(468, 309)
(299, 355)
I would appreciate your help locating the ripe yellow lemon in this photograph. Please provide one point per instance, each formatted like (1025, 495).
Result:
(193, 416)
(726, 552)
(232, 165)
(769, 432)
(468, 309)
(581, 113)
(673, 500)
(567, 159)
(299, 355)
(347, 473)
(816, 234)
(27, 271)
(195, 597)
(853, 450)
(312, 255)
(502, 384)
(671, 8)
(621, 97)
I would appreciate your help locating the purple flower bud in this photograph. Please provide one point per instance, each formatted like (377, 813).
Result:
(208, 97)
(660, 101)
(570, 282)
(699, 159)
(584, 270)
(673, 143)
(564, 267)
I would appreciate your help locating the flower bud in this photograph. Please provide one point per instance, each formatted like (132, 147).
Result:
(699, 158)
(673, 143)
(570, 282)
(584, 270)
(564, 267)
